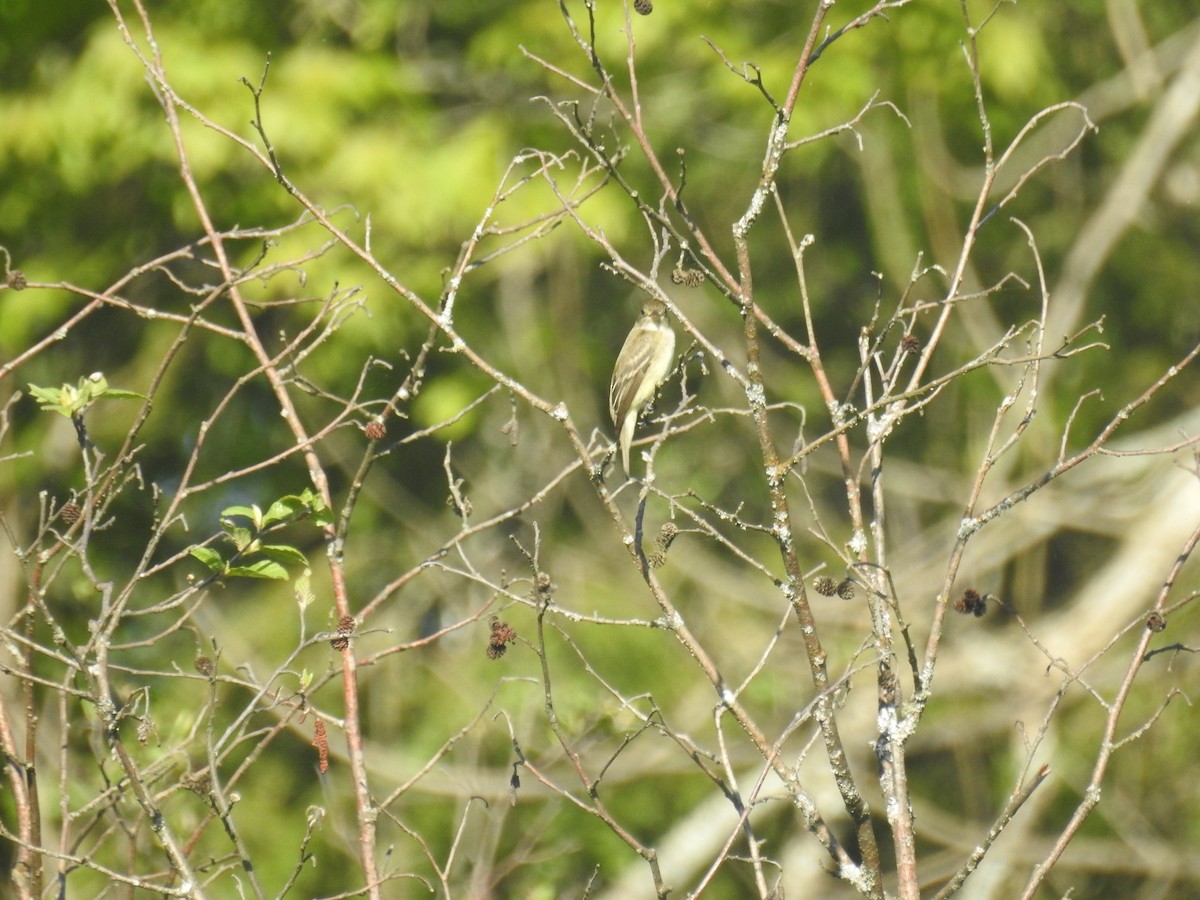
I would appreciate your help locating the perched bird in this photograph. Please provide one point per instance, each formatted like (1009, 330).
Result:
(644, 361)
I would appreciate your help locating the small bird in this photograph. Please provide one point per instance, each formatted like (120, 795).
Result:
(642, 365)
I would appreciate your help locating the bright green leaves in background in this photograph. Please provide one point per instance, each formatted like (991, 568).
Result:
(73, 400)
(252, 557)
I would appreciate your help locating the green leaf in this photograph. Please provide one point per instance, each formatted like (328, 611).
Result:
(71, 401)
(307, 502)
(283, 553)
(320, 513)
(121, 394)
(264, 568)
(242, 538)
(283, 509)
(253, 513)
(61, 400)
(46, 395)
(303, 588)
(209, 557)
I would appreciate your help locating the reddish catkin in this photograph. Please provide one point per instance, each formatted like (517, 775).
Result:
(321, 742)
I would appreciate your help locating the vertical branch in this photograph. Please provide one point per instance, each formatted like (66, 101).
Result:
(783, 529)
(352, 721)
